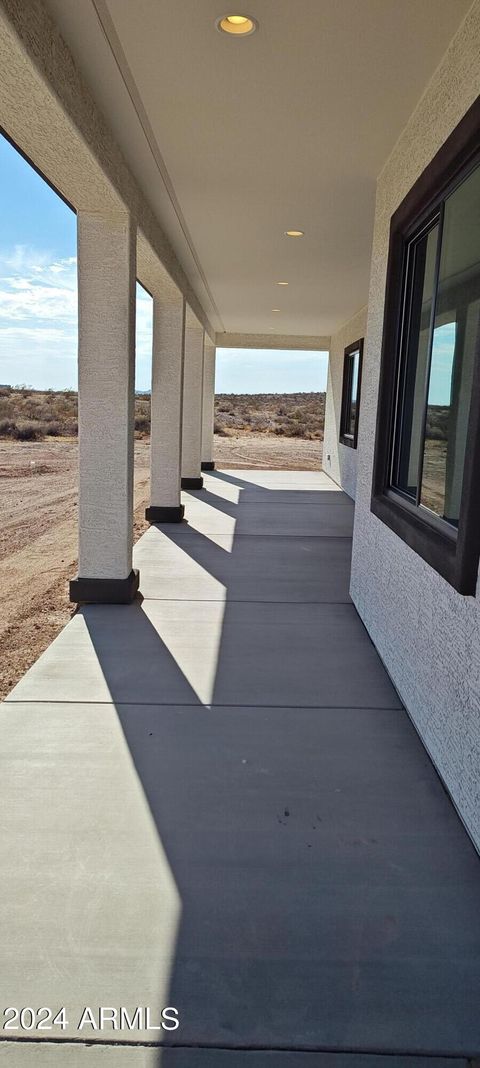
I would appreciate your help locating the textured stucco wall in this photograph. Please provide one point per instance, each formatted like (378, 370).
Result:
(299, 342)
(106, 327)
(342, 465)
(208, 406)
(192, 397)
(427, 634)
(167, 401)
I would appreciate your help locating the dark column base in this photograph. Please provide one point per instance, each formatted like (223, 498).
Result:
(155, 514)
(192, 483)
(208, 465)
(105, 591)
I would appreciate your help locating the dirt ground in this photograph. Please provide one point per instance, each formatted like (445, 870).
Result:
(267, 451)
(38, 530)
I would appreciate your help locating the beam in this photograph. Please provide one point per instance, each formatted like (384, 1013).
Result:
(295, 342)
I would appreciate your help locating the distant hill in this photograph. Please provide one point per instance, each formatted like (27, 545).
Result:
(30, 415)
(293, 415)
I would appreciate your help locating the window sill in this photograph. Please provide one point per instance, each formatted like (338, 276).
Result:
(440, 548)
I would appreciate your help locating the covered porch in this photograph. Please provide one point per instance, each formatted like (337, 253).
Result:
(212, 796)
(216, 801)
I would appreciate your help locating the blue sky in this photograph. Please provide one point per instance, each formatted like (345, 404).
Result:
(257, 371)
(38, 302)
(443, 351)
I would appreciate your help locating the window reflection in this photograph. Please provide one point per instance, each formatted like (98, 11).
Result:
(438, 413)
(410, 439)
(439, 348)
(455, 339)
(355, 358)
(352, 374)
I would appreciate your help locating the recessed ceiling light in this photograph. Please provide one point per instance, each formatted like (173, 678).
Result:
(275, 309)
(238, 25)
(294, 233)
(282, 283)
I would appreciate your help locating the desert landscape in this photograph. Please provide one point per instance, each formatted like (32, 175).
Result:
(38, 499)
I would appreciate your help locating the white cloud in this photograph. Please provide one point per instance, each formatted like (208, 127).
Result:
(28, 293)
(23, 259)
(38, 320)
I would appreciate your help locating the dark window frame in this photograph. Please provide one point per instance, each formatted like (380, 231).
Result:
(346, 437)
(454, 555)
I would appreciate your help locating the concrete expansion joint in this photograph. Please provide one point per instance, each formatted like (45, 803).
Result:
(413, 1058)
(210, 705)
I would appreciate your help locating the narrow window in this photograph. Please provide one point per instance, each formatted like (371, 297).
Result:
(352, 380)
(428, 430)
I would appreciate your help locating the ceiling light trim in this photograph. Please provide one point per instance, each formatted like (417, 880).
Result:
(246, 28)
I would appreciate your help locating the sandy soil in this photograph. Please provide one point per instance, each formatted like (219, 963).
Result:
(268, 451)
(38, 530)
(38, 545)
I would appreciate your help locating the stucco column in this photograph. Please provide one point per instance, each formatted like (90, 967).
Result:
(167, 404)
(208, 404)
(106, 382)
(192, 403)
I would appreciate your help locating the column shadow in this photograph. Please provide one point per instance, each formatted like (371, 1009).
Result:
(327, 887)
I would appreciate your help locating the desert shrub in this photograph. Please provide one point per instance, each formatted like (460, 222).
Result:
(436, 433)
(295, 430)
(54, 428)
(42, 411)
(289, 415)
(27, 430)
(7, 427)
(259, 422)
(283, 414)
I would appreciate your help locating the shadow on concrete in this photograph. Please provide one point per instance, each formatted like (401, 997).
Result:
(329, 892)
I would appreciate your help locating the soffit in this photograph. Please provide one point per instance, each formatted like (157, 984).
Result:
(234, 141)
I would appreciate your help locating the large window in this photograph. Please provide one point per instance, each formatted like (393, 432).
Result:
(352, 380)
(426, 481)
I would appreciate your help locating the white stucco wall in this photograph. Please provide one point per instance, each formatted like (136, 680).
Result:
(106, 383)
(427, 634)
(339, 461)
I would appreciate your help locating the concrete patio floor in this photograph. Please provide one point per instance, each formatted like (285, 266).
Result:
(212, 799)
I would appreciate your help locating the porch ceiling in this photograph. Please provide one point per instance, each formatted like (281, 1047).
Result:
(234, 141)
